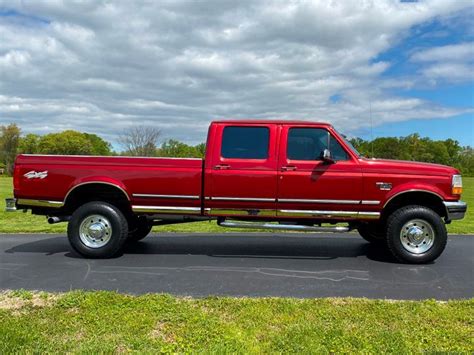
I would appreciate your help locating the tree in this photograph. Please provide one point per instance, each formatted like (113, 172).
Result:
(99, 146)
(29, 144)
(67, 142)
(174, 148)
(140, 141)
(9, 141)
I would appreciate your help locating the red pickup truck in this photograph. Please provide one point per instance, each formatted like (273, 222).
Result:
(280, 175)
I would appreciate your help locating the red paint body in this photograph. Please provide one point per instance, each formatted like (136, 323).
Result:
(245, 187)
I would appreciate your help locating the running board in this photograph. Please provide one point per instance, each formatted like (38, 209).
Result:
(290, 227)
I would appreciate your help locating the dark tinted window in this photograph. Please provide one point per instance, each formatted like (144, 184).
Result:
(245, 142)
(309, 143)
(337, 152)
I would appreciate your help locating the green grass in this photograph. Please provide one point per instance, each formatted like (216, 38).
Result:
(27, 223)
(92, 322)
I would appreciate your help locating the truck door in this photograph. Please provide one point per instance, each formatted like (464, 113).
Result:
(309, 187)
(241, 176)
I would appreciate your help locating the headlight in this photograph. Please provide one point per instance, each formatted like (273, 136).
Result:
(456, 185)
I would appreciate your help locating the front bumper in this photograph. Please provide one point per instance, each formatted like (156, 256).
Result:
(455, 210)
(10, 204)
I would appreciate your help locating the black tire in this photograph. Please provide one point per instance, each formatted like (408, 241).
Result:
(115, 222)
(141, 230)
(410, 214)
(374, 233)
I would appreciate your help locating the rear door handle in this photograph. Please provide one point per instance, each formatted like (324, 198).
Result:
(288, 168)
(222, 167)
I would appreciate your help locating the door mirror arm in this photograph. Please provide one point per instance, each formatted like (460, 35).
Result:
(327, 157)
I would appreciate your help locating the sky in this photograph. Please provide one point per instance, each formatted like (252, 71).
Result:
(371, 68)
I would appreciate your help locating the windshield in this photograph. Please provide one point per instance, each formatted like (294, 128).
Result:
(349, 144)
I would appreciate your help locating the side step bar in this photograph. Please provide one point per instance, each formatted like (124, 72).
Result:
(291, 227)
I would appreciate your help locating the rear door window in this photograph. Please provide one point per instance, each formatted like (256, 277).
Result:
(245, 142)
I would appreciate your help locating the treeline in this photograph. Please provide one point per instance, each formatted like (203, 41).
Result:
(416, 148)
(71, 142)
(143, 141)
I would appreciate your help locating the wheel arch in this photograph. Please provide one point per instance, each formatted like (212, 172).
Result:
(426, 198)
(97, 190)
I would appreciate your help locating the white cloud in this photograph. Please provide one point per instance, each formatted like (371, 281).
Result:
(452, 63)
(101, 67)
(455, 52)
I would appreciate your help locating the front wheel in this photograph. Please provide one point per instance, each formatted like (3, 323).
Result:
(97, 230)
(141, 229)
(416, 235)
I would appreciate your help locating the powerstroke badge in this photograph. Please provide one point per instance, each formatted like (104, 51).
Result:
(36, 174)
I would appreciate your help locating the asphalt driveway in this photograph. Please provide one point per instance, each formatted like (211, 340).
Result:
(295, 265)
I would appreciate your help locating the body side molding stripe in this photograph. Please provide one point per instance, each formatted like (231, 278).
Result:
(166, 209)
(191, 197)
(247, 199)
(318, 213)
(294, 200)
(343, 202)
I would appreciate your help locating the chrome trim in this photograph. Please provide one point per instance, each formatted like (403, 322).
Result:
(166, 209)
(342, 202)
(384, 186)
(368, 215)
(191, 197)
(292, 227)
(39, 203)
(246, 199)
(95, 182)
(251, 212)
(412, 190)
(455, 210)
(370, 202)
(317, 213)
(329, 214)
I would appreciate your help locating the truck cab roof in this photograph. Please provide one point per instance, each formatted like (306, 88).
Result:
(285, 122)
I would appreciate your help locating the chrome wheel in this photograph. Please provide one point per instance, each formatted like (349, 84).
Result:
(417, 236)
(95, 231)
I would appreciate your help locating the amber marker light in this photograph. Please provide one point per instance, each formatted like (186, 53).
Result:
(456, 185)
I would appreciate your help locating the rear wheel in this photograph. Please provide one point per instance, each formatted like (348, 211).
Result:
(97, 230)
(372, 232)
(416, 235)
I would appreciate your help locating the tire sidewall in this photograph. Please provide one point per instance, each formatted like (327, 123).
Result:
(117, 222)
(400, 218)
(141, 230)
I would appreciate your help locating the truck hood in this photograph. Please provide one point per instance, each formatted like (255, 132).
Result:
(407, 167)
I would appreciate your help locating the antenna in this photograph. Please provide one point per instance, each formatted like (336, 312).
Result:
(371, 129)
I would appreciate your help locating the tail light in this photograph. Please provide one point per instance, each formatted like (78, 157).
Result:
(16, 176)
(456, 185)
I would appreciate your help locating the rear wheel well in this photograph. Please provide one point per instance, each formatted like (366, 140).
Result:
(420, 198)
(97, 192)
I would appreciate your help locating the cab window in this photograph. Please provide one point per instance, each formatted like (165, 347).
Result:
(309, 143)
(245, 142)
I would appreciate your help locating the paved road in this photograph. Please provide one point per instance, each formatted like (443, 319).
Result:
(239, 265)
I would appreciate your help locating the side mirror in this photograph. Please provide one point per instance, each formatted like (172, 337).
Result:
(327, 157)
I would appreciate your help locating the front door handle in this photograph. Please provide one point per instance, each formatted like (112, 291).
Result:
(288, 168)
(222, 167)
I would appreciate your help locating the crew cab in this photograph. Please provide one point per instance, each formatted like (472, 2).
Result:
(280, 175)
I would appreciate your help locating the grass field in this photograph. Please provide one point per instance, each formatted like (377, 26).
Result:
(92, 322)
(27, 223)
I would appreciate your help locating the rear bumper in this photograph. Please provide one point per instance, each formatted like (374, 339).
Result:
(10, 204)
(455, 210)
